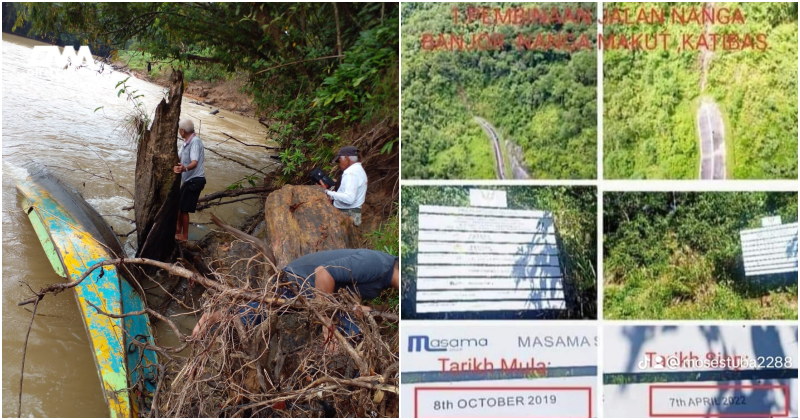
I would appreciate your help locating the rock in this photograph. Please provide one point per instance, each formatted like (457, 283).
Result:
(214, 112)
(300, 220)
(260, 230)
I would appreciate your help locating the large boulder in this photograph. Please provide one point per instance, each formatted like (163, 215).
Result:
(300, 220)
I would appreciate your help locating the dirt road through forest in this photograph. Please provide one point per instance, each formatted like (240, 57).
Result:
(712, 141)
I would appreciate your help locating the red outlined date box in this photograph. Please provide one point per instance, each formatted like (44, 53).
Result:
(580, 390)
(695, 388)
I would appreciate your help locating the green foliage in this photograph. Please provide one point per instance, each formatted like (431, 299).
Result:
(678, 256)
(651, 98)
(386, 237)
(357, 81)
(138, 60)
(575, 214)
(283, 50)
(138, 120)
(515, 91)
(238, 185)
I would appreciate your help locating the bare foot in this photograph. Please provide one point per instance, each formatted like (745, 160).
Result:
(181, 238)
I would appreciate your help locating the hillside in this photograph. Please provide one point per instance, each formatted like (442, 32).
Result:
(679, 256)
(543, 100)
(652, 97)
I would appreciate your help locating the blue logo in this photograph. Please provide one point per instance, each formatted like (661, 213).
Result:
(420, 343)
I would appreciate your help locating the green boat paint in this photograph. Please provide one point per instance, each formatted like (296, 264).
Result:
(74, 237)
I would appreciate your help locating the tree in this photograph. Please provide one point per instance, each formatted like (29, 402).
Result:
(156, 192)
(308, 75)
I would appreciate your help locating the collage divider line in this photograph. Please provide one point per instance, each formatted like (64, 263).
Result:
(598, 396)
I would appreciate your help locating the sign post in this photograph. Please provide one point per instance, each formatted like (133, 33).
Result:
(771, 249)
(484, 259)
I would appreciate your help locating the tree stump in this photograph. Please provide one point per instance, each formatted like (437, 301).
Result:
(156, 194)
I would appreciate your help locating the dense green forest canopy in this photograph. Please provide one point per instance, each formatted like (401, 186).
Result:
(651, 97)
(574, 211)
(542, 100)
(317, 69)
(678, 256)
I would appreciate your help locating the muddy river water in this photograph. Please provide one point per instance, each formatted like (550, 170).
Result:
(49, 119)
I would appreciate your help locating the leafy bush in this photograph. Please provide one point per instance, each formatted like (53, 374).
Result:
(387, 237)
(678, 256)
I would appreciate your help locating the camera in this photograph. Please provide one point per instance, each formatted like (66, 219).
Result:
(317, 175)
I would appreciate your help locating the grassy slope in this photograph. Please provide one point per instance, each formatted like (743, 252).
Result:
(663, 263)
(650, 102)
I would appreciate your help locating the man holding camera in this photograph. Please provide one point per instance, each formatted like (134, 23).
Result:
(353, 189)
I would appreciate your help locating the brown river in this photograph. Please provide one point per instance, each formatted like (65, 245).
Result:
(49, 119)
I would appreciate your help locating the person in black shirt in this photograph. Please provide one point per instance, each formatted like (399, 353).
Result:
(365, 272)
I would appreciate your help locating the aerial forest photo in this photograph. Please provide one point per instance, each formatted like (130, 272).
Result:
(700, 90)
(700, 255)
(499, 90)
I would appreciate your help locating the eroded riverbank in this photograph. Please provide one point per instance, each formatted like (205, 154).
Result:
(49, 119)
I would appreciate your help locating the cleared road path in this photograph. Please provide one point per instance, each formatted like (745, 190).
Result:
(712, 142)
(517, 172)
(501, 168)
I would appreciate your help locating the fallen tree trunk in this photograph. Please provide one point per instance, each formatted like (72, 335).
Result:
(156, 185)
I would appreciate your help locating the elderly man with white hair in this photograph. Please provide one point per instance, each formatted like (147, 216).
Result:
(193, 176)
(353, 188)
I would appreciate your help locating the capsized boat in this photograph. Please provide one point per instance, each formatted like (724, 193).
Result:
(75, 237)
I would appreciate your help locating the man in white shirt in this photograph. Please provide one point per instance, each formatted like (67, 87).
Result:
(353, 188)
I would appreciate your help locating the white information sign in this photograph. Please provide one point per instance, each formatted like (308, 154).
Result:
(484, 259)
(769, 250)
(700, 371)
(498, 371)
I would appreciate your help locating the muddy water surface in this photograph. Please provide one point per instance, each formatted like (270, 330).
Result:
(49, 119)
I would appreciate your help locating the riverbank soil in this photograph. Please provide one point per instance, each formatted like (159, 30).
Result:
(218, 93)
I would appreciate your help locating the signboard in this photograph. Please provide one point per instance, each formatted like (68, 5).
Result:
(483, 259)
(487, 198)
(769, 250)
(498, 371)
(700, 371)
